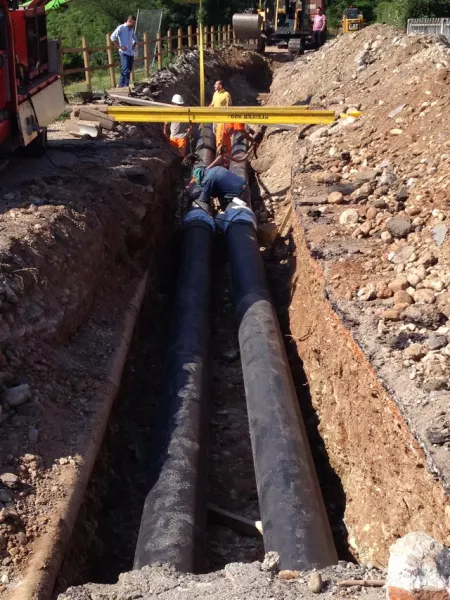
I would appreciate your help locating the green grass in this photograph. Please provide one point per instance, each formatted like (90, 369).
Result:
(64, 116)
(100, 82)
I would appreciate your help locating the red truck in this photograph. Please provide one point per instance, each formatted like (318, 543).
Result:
(31, 91)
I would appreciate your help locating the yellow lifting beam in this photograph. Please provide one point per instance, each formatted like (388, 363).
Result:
(260, 115)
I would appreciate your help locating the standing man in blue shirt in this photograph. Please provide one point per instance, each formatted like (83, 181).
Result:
(124, 38)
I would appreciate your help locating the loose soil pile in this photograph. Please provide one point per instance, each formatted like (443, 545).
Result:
(372, 267)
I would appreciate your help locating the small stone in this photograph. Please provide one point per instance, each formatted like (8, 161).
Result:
(400, 283)
(415, 352)
(371, 213)
(366, 228)
(435, 341)
(427, 260)
(388, 178)
(18, 395)
(413, 279)
(5, 579)
(384, 293)
(366, 175)
(399, 227)
(231, 355)
(22, 538)
(367, 293)
(402, 255)
(386, 237)
(271, 562)
(413, 211)
(396, 131)
(336, 198)
(401, 306)
(390, 315)
(402, 297)
(402, 194)
(439, 233)
(288, 575)
(349, 217)
(326, 177)
(9, 479)
(424, 295)
(315, 583)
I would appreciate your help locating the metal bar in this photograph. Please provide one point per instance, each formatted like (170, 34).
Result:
(293, 515)
(259, 115)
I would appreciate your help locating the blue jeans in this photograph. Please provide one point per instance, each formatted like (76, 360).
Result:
(126, 66)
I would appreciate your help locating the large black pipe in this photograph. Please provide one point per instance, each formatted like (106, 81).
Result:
(293, 515)
(173, 522)
(238, 148)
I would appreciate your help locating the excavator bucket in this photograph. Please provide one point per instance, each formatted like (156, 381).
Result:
(247, 29)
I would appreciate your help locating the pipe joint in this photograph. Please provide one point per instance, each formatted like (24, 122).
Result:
(236, 212)
(198, 213)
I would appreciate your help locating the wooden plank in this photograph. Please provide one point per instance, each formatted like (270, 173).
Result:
(90, 114)
(134, 101)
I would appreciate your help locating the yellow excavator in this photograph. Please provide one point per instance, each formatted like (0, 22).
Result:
(275, 22)
(352, 20)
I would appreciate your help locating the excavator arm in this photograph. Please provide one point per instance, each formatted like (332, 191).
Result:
(49, 4)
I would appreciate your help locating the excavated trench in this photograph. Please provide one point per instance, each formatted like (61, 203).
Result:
(105, 535)
(104, 540)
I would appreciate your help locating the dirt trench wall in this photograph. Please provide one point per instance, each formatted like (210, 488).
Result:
(67, 231)
(388, 489)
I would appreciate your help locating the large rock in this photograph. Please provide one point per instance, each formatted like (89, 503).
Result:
(419, 569)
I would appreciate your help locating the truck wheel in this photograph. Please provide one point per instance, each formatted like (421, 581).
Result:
(38, 146)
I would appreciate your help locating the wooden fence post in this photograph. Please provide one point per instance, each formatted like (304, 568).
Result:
(205, 35)
(61, 60)
(159, 49)
(190, 36)
(169, 43)
(231, 34)
(87, 63)
(213, 41)
(227, 35)
(109, 51)
(146, 54)
(180, 41)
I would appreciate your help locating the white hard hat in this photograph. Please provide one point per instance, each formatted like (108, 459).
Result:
(177, 99)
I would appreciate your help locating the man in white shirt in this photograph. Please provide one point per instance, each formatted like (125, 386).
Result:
(124, 38)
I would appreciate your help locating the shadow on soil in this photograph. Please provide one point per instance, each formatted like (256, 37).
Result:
(104, 539)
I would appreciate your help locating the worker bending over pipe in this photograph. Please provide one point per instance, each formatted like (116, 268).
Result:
(219, 182)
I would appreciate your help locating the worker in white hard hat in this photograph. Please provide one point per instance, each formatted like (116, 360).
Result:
(179, 132)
